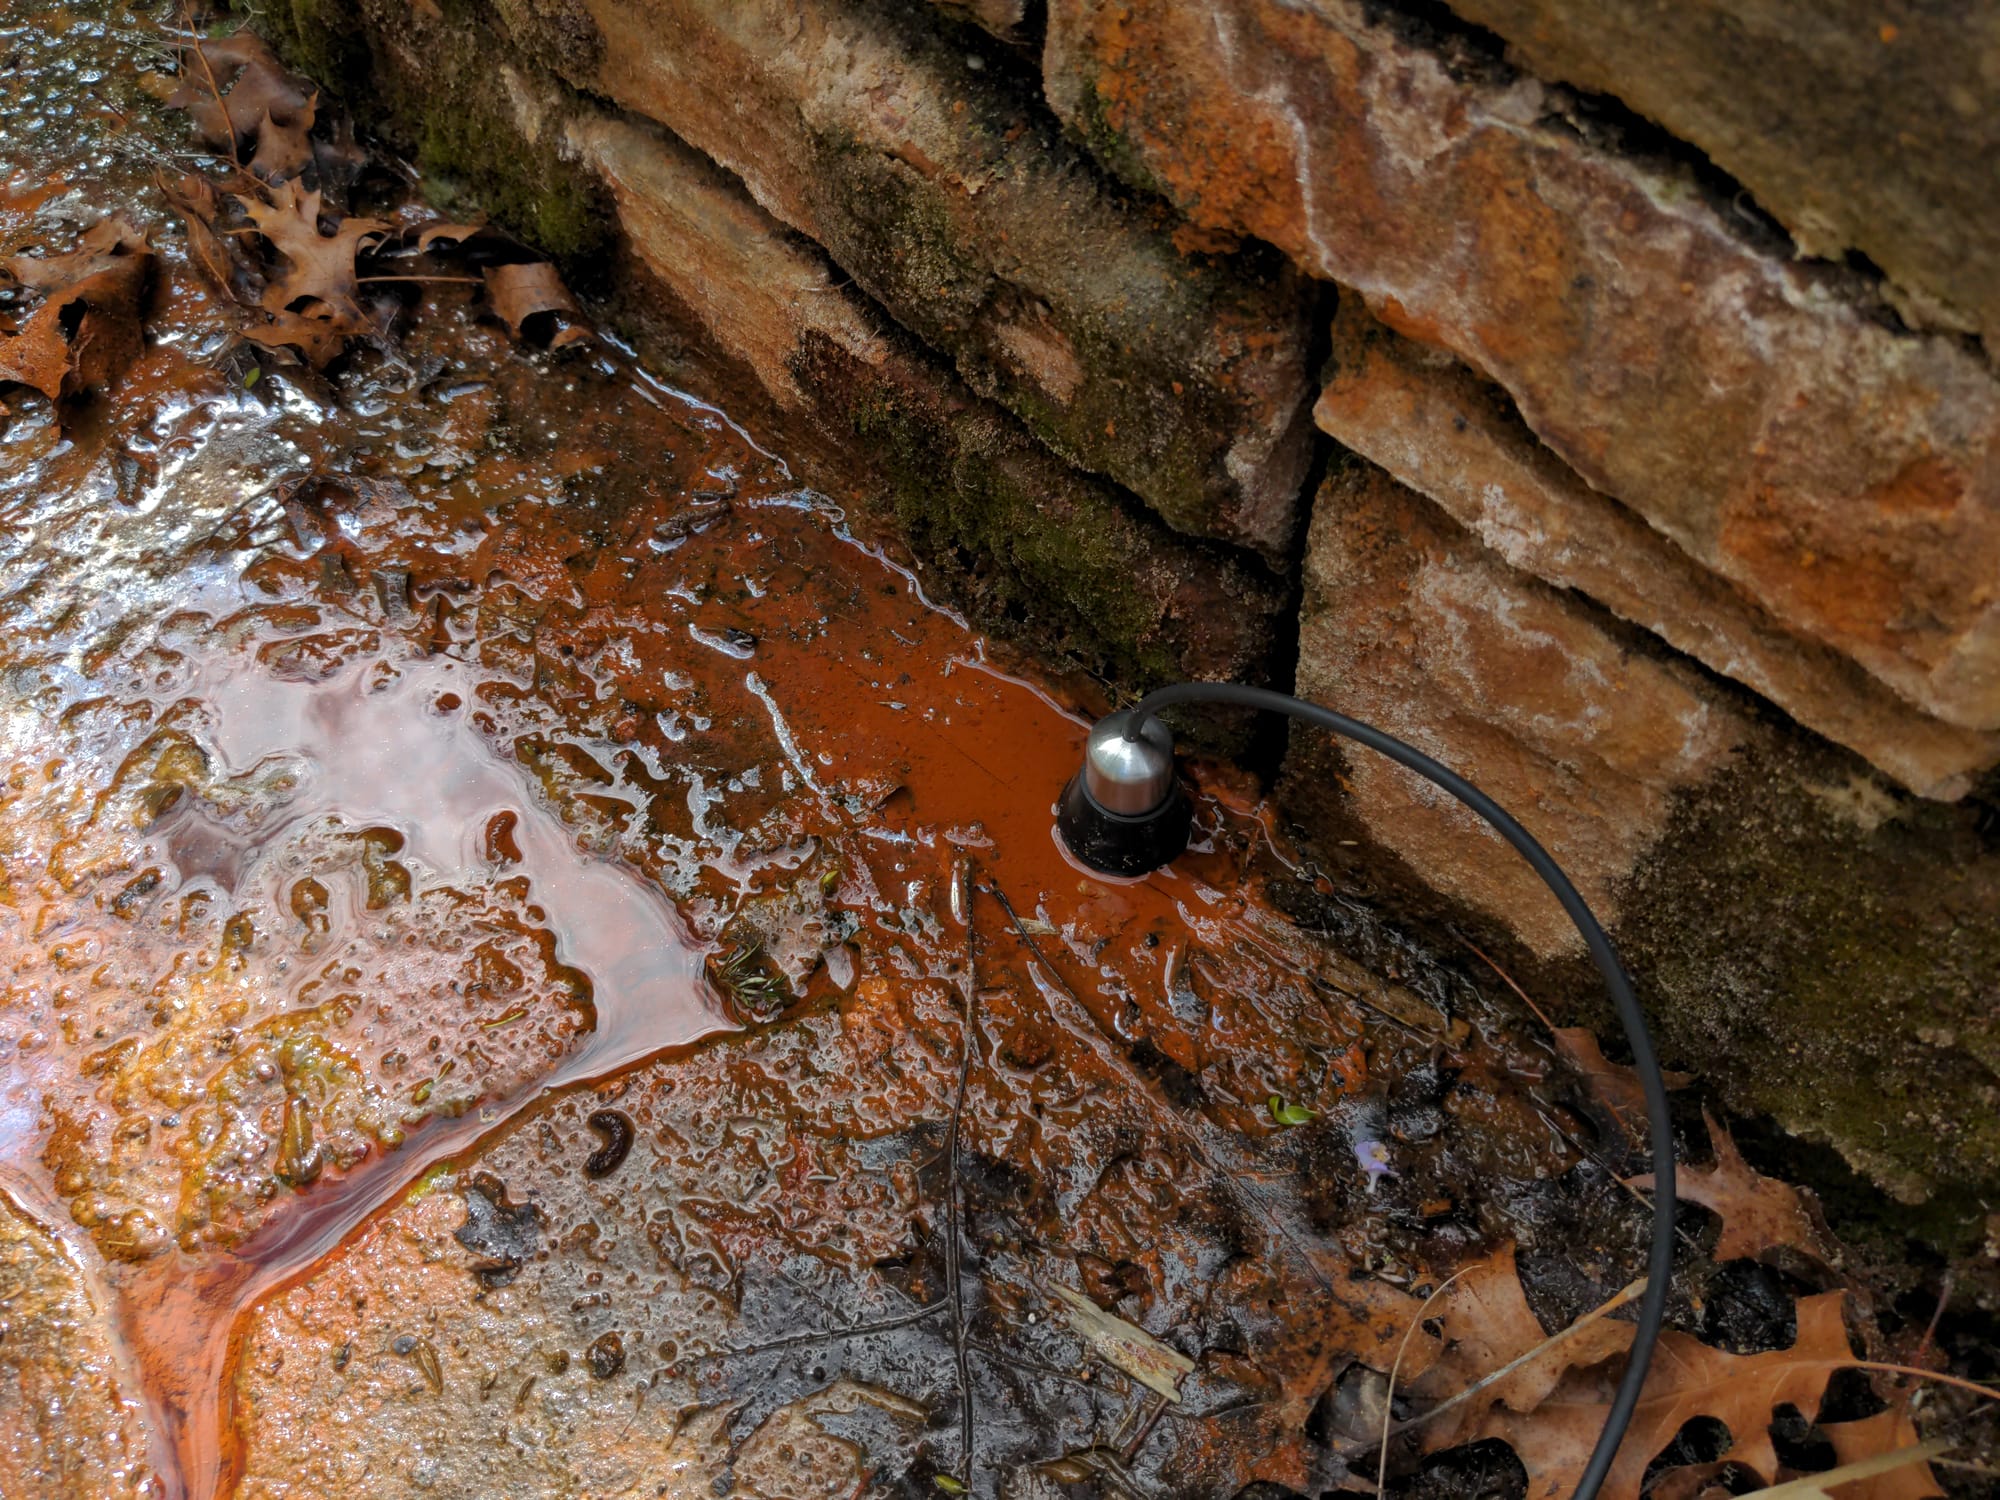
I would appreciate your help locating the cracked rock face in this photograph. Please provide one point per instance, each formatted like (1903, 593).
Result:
(1409, 623)
(953, 201)
(1856, 127)
(1439, 428)
(1053, 316)
(1838, 471)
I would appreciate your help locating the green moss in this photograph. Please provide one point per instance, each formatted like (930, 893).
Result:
(321, 38)
(454, 118)
(962, 504)
(471, 144)
(1836, 976)
(1105, 141)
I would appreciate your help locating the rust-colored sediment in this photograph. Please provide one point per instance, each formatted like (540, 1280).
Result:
(399, 769)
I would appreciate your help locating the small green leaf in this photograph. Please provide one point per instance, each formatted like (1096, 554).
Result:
(1290, 1114)
(255, 374)
(949, 1485)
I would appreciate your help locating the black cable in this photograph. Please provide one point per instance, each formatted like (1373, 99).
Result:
(1660, 1255)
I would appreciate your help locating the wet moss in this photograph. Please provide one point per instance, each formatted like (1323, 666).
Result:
(473, 144)
(1145, 410)
(961, 505)
(321, 38)
(1829, 953)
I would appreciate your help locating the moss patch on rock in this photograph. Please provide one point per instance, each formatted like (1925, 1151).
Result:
(1034, 549)
(1829, 953)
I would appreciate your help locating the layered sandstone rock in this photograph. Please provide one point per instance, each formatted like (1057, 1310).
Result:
(934, 184)
(1439, 428)
(998, 523)
(1410, 623)
(1682, 542)
(960, 477)
(1842, 473)
(1006, 19)
(1859, 126)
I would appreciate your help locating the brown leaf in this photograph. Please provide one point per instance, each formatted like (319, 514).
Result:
(320, 267)
(1887, 1431)
(88, 327)
(442, 229)
(317, 341)
(1617, 1087)
(314, 300)
(1487, 1325)
(193, 198)
(107, 245)
(1688, 1379)
(241, 98)
(1758, 1213)
(533, 302)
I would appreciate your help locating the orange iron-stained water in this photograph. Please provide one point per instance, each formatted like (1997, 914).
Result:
(387, 757)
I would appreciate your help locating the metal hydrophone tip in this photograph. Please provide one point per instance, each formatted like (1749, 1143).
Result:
(1124, 813)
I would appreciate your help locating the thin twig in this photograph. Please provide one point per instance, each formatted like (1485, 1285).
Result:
(461, 280)
(1151, 1417)
(1389, 1396)
(954, 1277)
(229, 125)
(1870, 1364)
(828, 1335)
(1937, 1316)
(1508, 980)
(1035, 1366)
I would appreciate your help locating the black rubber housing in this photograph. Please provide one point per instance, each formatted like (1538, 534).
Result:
(1118, 843)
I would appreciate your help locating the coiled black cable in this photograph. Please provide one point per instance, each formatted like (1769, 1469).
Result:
(1659, 1256)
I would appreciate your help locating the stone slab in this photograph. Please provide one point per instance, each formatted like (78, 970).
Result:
(1442, 430)
(1859, 126)
(937, 181)
(1764, 414)
(1006, 528)
(1409, 623)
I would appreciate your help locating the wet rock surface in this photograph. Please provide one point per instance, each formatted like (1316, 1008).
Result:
(1764, 474)
(1596, 741)
(1179, 374)
(1834, 466)
(70, 1420)
(1855, 128)
(535, 963)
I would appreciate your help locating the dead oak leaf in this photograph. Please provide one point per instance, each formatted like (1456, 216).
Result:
(444, 229)
(317, 341)
(1888, 1431)
(193, 199)
(1487, 1325)
(535, 305)
(315, 297)
(1616, 1086)
(241, 98)
(1687, 1380)
(87, 328)
(1758, 1213)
